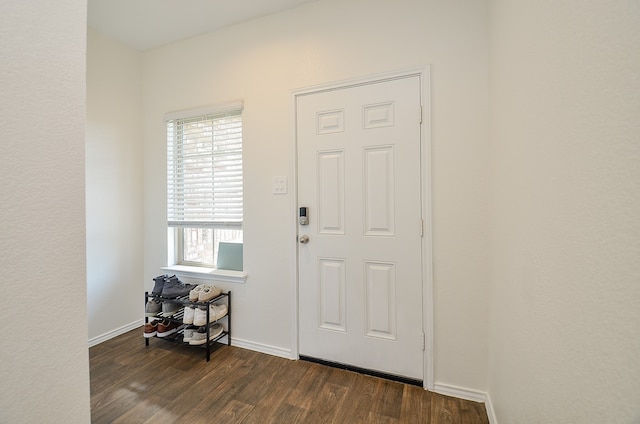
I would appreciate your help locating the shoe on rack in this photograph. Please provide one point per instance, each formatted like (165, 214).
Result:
(167, 328)
(199, 337)
(173, 288)
(187, 334)
(158, 284)
(151, 329)
(153, 307)
(195, 292)
(189, 312)
(215, 313)
(208, 293)
(200, 316)
(170, 308)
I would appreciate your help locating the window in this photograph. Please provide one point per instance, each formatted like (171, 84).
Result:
(204, 182)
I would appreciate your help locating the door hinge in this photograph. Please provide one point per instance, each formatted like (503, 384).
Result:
(422, 228)
(420, 115)
(423, 341)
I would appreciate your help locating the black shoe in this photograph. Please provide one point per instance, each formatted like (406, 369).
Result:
(159, 284)
(173, 287)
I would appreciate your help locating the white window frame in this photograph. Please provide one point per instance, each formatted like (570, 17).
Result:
(175, 222)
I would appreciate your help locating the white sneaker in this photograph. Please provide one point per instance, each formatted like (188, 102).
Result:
(208, 293)
(199, 337)
(200, 316)
(188, 332)
(195, 292)
(189, 312)
(215, 313)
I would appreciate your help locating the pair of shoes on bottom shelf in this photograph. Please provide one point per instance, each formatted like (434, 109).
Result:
(160, 328)
(151, 329)
(198, 335)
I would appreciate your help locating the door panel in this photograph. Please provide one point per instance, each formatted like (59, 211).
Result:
(332, 278)
(380, 284)
(360, 281)
(330, 182)
(379, 191)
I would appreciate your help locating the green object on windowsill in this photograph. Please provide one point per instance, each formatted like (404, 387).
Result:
(230, 256)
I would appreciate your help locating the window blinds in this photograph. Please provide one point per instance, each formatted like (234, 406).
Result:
(204, 164)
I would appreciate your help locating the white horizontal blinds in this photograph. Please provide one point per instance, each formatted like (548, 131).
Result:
(205, 171)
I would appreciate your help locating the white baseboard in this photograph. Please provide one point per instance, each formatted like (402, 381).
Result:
(262, 348)
(460, 392)
(468, 394)
(490, 412)
(113, 333)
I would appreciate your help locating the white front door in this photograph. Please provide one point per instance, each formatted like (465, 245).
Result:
(360, 278)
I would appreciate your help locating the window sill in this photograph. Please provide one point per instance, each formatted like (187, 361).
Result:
(207, 273)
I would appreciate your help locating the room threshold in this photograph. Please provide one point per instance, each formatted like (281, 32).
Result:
(373, 373)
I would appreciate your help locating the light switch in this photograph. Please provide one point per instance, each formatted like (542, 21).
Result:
(279, 185)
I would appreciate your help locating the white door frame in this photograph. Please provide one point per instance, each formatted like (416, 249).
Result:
(427, 255)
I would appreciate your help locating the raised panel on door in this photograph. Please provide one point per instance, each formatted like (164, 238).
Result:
(380, 283)
(332, 296)
(330, 189)
(379, 191)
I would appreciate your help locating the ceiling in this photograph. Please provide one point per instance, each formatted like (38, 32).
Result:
(146, 24)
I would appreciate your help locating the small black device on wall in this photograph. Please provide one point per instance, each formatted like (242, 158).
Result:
(303, 218)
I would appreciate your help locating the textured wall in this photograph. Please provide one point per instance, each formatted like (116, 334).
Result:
(114, 185)
(565, 274)
(43, 358)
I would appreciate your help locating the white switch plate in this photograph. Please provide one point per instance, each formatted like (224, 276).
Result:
(279, 185)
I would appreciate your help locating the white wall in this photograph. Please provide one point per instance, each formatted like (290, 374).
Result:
(261, 62)
(565, 274)
(44, 359)
(114, 189)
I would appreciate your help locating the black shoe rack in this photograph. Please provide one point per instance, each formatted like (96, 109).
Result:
(177, 317)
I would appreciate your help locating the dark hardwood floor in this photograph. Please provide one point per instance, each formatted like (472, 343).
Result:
(170, 383)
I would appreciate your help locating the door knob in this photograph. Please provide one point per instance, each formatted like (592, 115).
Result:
(304, 239)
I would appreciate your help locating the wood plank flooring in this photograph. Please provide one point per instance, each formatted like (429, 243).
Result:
(169, 383)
